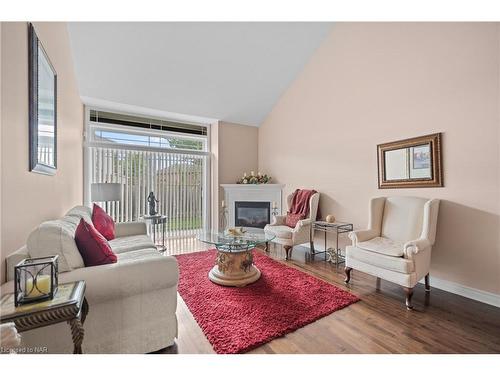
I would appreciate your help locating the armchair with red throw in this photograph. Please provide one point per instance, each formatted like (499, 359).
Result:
(295, 227)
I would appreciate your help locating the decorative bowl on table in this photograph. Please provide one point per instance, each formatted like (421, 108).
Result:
(237, 231)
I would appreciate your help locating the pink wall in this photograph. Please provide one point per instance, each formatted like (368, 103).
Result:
(234, 151)
(371, 83)
(28, 198)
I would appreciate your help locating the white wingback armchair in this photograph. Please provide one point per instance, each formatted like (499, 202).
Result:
(397, 244)
(289, 237)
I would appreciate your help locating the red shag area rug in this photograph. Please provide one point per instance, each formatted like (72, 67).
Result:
(236, 320)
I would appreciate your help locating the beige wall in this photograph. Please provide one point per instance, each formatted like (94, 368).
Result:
(237, 152)
(29, 198)
(373, 83)
(238, 145)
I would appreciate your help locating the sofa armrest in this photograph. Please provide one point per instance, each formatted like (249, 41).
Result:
(362, 235)
(413, 247)
(278, 220)
(133, 228)
(13, 259)
(301, 224)
(127, 277)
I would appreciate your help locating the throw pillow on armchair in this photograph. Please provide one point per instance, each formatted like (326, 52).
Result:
(292, 219)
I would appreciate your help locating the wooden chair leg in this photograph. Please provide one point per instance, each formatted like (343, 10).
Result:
(347, 272)
(427, 283)
(288, 252)
(266, 248)
(409, 294)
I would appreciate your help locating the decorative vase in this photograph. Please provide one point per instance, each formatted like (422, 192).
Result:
(330, 219)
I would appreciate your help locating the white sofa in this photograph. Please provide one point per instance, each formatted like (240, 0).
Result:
(132, 303)
(398, 242)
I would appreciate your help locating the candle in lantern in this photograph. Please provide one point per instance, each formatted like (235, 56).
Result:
(42, 286)
(252, 173)
(223, 204)
(274, 205)
(245, 174)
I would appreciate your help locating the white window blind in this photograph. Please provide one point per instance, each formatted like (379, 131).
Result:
(172, 164)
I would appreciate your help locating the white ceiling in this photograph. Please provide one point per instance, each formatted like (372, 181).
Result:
(228, 71)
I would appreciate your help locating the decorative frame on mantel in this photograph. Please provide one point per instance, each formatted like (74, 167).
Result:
(410, 163)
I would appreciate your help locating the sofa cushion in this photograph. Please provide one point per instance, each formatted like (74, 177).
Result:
(56, 237)
(170, 274)
(93, 247)
(384, 246)
(280, 231)
(103, 222)
(81, 212)
(131, 243)
(397, 264)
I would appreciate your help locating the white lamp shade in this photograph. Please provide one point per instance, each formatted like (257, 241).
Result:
(105, 192)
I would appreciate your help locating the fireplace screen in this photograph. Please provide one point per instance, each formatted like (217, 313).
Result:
(252, 214)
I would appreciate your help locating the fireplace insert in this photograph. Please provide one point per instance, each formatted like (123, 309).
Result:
(252, 214)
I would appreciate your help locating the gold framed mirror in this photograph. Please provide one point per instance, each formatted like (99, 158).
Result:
(410, 163)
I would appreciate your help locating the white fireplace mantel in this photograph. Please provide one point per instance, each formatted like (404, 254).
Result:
(251, 193)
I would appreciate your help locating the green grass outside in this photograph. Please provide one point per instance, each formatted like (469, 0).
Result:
(184, 223)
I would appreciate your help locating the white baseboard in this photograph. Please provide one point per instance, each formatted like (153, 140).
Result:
(465, 291)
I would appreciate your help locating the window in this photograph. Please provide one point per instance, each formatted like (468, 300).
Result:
(170, 159)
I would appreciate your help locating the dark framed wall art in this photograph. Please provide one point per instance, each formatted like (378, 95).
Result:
(42, 108)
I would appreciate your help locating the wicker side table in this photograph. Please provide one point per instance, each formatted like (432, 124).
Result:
(69, 305)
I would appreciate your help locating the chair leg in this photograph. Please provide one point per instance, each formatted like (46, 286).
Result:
(409, 294)
(347, 272)
(288, 252)
(266, 248)
(427, 283)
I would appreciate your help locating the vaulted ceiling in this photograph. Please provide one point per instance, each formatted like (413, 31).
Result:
(228, 71)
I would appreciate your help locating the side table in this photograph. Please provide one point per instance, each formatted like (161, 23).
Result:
(152, 222)
(68, 305)
(333, 255)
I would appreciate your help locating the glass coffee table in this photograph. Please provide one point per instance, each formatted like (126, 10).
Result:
(234, 261)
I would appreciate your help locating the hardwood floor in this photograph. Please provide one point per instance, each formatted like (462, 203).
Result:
(440, 323)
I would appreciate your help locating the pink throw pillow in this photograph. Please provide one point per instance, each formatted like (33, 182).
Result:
(103, 222)
(93, 247)
(292, 219)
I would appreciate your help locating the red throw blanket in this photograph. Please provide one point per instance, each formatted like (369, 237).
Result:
(299, 207)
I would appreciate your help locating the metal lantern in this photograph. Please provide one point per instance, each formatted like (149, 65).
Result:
(36, 279)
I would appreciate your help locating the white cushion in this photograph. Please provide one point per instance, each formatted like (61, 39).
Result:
(56, 237)
(397, 264)
(81, 212)
(280, 231)
(403, 217)
(131, 243)
(384, 246)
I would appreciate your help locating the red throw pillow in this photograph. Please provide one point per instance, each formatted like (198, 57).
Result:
(292, 219)
(93, 247)
(103, 222)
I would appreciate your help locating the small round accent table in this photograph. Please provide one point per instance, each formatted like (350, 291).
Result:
(234, 261)
(153, 222)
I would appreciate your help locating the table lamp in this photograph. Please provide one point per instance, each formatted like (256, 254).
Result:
(105, 191)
